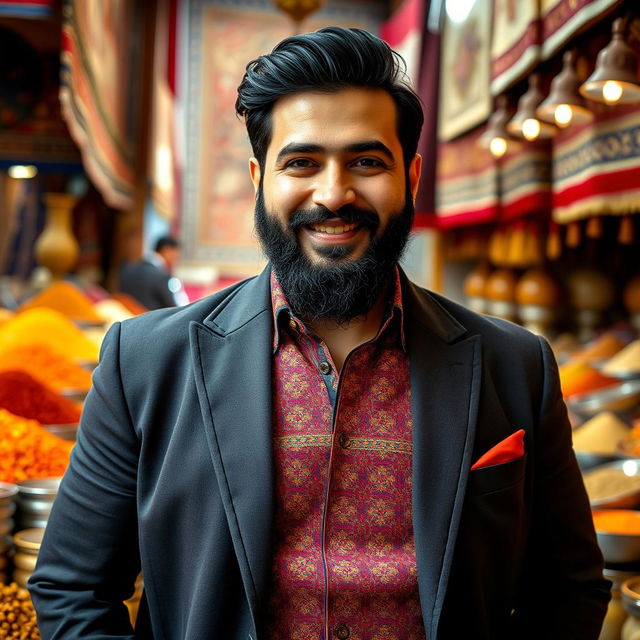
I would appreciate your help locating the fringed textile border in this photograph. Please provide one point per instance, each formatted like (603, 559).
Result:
(596, 168)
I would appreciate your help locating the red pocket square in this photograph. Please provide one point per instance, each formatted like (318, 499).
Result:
(511, 448)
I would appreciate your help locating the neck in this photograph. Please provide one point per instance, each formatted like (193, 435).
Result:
(344, 338)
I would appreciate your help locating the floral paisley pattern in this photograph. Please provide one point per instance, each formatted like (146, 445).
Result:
(344, 552)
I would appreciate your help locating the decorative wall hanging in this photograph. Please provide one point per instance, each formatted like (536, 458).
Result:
(99, 88)
(515, 47)
(465, 98)
(596, 167)
(467, 183)
(562, 19)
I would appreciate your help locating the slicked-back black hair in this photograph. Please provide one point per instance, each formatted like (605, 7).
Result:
(327, 60)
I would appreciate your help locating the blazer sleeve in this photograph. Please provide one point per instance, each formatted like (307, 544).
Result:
(563, 592)
(89, 557)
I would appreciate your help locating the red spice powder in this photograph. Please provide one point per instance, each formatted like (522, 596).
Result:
(24, 396)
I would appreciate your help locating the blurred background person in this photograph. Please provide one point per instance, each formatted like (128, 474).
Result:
(150, 281)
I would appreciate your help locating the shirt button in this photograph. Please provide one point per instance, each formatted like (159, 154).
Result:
(325, 368)
(342, 632)
(293, 324)
(343, 440)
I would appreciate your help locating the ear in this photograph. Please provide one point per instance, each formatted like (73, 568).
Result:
(415, 170)
(255, 172)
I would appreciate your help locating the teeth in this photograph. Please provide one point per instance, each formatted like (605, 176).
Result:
(334, 230)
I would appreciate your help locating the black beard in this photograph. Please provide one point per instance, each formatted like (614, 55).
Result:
(339, 292)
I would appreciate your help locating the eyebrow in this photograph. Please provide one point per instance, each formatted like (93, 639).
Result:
(356, 147)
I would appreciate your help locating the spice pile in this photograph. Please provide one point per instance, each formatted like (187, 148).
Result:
(25, 396)
(618, 521)
(601, 435)
(17, 615)
(46, 365)
(51, 328)
(28, 451)
(66, 299)
(608, 482)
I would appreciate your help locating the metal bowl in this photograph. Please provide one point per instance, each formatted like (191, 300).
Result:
(619, 547)
(75, 395)
(617, 398)
(64, 431)
(587, 460)
(617, 499)
(35, 499)
(630, 592)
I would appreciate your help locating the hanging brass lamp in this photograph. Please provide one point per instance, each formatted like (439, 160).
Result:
(615, 79)
(496, 138)
(564, 105)
(525, 123)
(298, 10)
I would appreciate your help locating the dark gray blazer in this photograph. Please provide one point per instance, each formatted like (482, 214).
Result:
(173, 471)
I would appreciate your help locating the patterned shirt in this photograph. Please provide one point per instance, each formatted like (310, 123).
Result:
(344, 563)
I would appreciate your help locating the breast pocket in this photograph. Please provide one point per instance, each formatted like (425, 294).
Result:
(497, 477)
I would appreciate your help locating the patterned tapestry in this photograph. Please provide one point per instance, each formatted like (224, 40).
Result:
(562, 19)
(465, 98)
(596, 167)
(218, 198)
(99, 91)
(515, 46)
(467, 183)
(525, 182)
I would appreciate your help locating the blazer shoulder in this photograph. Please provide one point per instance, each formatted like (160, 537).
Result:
(164, 327)
(489, 327)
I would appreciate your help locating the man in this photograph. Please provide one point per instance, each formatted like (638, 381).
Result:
(327, 450)
(150, 281)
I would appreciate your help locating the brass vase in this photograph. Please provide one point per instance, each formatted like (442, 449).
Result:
(57, 248)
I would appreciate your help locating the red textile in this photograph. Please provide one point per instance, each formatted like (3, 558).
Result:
(511, 448)
(344, 557)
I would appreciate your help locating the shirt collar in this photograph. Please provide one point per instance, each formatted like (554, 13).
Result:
(282, 312)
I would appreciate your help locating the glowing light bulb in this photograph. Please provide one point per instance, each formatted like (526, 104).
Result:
(563, 115)
(612, 91)
(498, 147)
(22, 171)
(531, 128)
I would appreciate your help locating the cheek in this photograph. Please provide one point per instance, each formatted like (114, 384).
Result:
(283, 194)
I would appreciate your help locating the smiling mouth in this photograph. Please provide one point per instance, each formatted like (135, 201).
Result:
(334, 229)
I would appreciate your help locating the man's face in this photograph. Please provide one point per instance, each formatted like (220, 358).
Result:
(335, 204)
(331, 151)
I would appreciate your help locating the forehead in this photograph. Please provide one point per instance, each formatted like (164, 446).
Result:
(334, 120)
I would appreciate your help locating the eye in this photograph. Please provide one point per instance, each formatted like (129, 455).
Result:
(370, 163)
(300, 163)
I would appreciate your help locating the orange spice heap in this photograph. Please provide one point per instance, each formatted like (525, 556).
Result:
(67, 299)
(49, 327)
(17, 615)
(29, 451)
(46, 365)
(620, 521)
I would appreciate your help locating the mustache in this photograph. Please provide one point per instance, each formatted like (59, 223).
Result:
(348, 213)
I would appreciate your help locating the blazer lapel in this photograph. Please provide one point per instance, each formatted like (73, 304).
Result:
(231, 352)
(445, 382)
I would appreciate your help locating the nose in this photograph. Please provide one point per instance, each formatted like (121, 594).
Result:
(333, 188)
